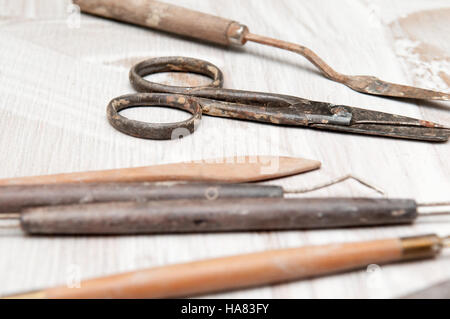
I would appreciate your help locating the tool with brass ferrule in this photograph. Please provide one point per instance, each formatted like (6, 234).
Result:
(174, 19)
(256, 269)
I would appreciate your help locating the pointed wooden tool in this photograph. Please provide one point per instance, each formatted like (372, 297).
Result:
(226, 170)
(250, 270)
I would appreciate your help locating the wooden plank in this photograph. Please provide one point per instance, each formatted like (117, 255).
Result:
(56, 80)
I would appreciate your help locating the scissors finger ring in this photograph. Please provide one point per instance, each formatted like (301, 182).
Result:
(176, 98)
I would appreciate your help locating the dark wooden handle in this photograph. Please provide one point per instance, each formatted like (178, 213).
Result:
(217, 215)
(17, 198)
(167, 17)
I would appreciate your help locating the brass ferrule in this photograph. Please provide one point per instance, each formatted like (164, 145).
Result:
(236, 34)
(421, 247)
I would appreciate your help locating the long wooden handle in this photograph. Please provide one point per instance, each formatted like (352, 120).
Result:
(17, 198)
(226, 170)
(186, 280)
(167, 17)
(209, 215)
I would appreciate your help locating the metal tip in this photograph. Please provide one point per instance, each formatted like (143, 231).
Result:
(445, 242)
(334, 182)
(361, 83)
(434, 209)
(430, 204)
(446, 213)
(9, 216)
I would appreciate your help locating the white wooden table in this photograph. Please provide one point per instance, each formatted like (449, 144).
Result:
(56, 78)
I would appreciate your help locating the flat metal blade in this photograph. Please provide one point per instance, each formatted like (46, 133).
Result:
(390, 125)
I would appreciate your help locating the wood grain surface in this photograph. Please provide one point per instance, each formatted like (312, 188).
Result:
(58, 71)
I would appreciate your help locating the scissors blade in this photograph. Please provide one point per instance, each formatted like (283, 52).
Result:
(329, 116)
(384, 124)
(406, 132)
(288, 110)
(375, 86)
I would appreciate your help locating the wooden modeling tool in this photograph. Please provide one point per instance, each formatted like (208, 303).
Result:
(177, 20)
(224, 170)
(242, 271)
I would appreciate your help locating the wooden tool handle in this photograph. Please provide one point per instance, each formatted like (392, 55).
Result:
(235, 272)
(225, 170)
(216, 215)
(17, 198)
(168, 17)
(186, 280)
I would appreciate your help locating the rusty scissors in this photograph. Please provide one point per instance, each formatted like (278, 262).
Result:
(252, 106)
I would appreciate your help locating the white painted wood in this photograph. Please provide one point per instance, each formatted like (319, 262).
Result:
(55, 82)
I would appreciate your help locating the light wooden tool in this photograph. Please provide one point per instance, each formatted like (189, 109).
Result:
(225, 170)
(186, 280)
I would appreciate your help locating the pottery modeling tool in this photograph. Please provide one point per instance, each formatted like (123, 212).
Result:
(265, 211)
(15, 198)
(19, 197)
(256, 269)
(174, 19)
(223, 170)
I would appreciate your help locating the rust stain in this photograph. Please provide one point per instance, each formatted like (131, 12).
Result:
(185, 79)
(427, 123)
(120, 102)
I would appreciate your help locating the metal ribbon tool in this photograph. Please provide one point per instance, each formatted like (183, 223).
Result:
(252, 106)
(145, 208)
(206, 27)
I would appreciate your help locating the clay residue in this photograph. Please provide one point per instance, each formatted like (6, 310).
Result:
(168, 78)
(181, 79)
(157, 12)
(126, 63)
(431, 28)
(422, 39)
